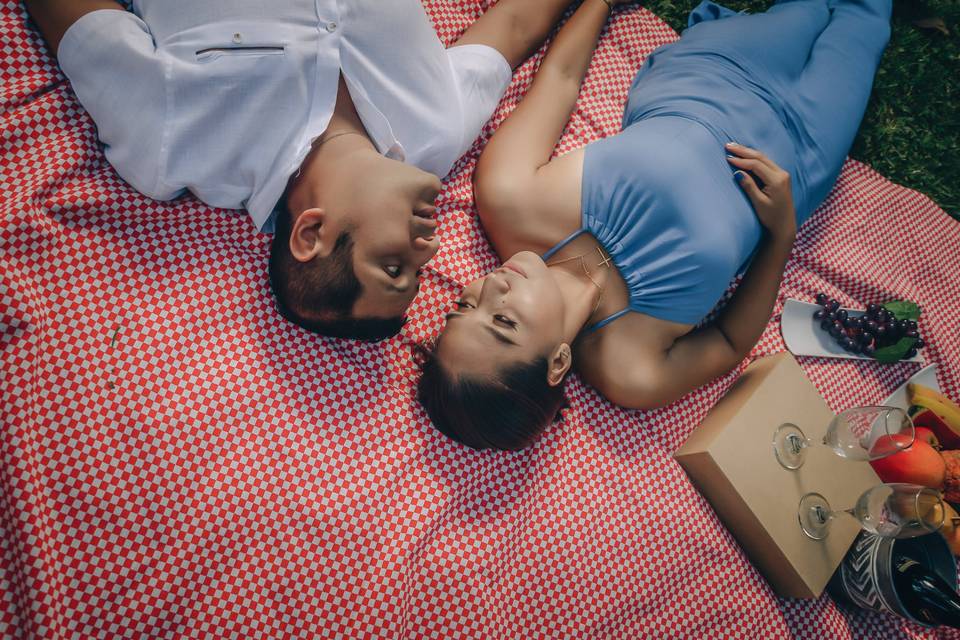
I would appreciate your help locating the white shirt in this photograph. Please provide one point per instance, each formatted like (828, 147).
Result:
(225, 97)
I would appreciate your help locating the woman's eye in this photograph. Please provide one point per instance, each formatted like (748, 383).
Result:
(392, 270)
(462, 304)
(505, 320)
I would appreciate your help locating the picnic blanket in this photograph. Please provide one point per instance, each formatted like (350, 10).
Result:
(176, 460)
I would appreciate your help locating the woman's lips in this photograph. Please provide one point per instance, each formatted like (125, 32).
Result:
(515, 269)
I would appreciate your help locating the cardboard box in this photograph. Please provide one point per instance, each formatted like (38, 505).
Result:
(730, 459)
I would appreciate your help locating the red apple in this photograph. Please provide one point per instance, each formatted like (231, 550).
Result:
(918, 464)
(947, 436)
(926, 435)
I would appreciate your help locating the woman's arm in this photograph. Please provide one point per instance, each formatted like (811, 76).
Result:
(700, 356)
(506, 181)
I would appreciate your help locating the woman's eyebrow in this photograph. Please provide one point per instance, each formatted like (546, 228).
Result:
(499, 336)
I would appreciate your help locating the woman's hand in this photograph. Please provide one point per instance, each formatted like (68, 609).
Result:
(774, 202)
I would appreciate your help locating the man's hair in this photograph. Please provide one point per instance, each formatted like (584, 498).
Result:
(506, 412)
(319, 295)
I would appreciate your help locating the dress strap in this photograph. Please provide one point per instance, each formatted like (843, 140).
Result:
(560, 245)
(600, 325)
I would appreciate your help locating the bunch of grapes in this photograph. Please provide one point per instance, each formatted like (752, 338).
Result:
(875, 329)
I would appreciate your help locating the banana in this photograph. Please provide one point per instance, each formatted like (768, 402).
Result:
(946, 409)
(919, 390)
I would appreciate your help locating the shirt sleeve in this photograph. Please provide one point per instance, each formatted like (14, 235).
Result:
(482, 75)
(113, 66)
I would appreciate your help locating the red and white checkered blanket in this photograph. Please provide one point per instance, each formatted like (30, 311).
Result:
(177, 461)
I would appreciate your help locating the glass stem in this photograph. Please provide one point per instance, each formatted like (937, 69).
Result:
(796, 443)
(822, 515)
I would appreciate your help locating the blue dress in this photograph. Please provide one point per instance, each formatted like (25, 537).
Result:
(661, 198)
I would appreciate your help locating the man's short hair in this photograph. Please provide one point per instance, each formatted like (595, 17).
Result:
(319, 295)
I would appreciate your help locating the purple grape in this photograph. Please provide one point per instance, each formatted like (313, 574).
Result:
(903, 326)
(911, 333)
(819, 314)
(855, 347)
(825, 324)
(881, 331)
(833, 305)
(821, 299)
(836, 331)
(853, 323)
(842, 315)
(832, 315)
(872, 309)
(871, 326)
(866, 337)
(848, 344)
(911, 353)
(911, 324)
(869, 350)
(919, 344)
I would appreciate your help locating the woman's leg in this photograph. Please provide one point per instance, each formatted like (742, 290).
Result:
(834, 87)
(778, 40)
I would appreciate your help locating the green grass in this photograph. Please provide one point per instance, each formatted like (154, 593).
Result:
(911, 130)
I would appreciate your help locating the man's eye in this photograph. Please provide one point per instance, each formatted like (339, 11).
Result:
(392, 270)
(505, 320)
(463, 304)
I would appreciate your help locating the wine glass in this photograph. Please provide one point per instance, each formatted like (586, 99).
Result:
(858, 433)
(894, 510)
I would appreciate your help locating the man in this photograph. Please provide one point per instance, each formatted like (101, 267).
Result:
(328, 120)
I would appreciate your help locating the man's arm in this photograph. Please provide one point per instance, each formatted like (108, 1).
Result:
(651, 380)
(54, 17)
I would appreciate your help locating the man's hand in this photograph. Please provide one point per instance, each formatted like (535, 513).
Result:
(774, 202)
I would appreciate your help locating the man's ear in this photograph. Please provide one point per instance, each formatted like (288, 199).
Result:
(560, 362)
(312, 235)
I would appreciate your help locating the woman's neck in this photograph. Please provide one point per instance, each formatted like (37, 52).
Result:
(581, 281)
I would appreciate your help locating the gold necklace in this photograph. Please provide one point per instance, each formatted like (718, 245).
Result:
(323, 140)
(605, 261)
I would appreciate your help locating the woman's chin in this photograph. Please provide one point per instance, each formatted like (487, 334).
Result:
(527, 263)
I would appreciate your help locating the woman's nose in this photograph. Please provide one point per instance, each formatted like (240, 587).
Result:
(498, 284)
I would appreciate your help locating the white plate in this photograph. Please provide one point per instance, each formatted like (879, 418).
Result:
(926, 376)
(804, 337)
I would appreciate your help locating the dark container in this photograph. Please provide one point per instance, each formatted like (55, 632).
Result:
(865, 577)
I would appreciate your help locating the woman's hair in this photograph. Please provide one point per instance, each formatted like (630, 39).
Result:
(507, 411)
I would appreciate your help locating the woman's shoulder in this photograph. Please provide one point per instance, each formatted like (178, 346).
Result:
(603, 357)
(532, 213)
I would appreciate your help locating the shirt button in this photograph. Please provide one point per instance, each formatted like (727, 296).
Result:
(237, 38)
(331, 26)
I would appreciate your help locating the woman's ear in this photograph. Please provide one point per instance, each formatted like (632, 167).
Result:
(559, 364)
(312, 235)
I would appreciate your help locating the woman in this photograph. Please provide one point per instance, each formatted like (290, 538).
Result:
(617, 251)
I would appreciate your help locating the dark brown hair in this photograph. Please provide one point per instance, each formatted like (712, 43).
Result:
(319, 295)
(506, 412)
